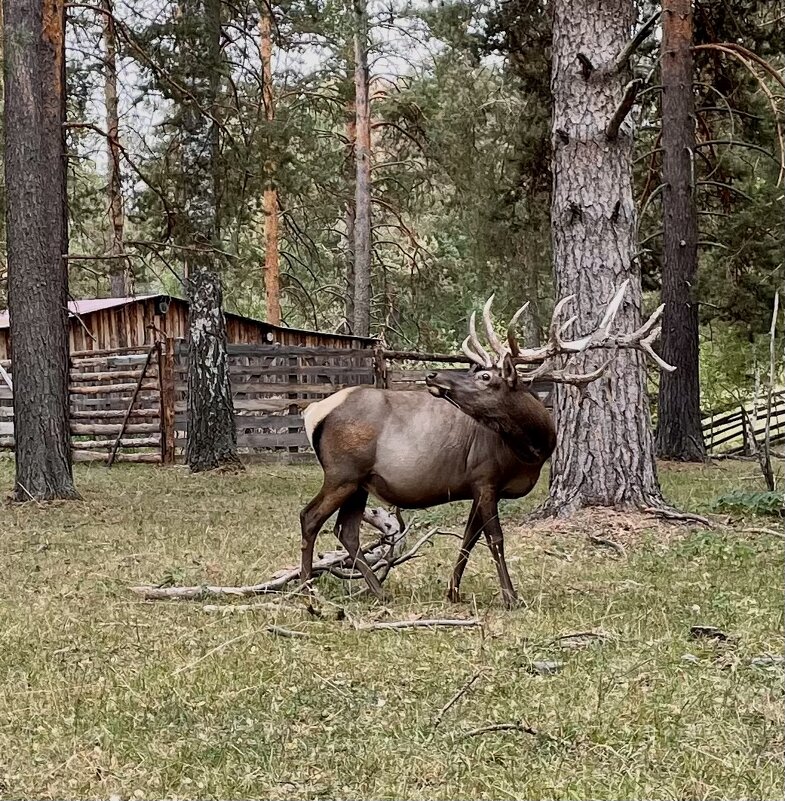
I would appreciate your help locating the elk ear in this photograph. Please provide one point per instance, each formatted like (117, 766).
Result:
(509, 373)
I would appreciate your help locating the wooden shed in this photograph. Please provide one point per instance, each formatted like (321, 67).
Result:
(110, 323)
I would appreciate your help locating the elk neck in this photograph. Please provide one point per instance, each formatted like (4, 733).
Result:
(525, 426)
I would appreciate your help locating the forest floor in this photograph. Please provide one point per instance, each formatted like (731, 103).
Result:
(104, 694)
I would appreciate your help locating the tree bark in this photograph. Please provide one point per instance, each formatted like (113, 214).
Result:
(118, 269)
(605, 450)
(212, 438)
(679, 431)
(272, 272)
(349, 217)
(37, 231)
(362, 197)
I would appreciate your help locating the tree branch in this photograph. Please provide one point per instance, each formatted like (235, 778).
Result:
(627, 102)
(640, 37)
(587, 68)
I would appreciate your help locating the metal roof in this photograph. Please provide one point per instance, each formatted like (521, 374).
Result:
(90, 305)
(81, 307)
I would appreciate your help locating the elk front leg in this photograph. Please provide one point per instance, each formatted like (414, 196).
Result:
(470, 536)
(492, 529)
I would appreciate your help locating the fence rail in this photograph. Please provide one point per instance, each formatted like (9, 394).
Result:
(738, 431)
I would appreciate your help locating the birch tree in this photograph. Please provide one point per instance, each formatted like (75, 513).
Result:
(212, 437)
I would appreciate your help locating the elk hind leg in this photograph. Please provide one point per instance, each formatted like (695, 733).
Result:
(470, 536)
(348, 531)
(314, 516)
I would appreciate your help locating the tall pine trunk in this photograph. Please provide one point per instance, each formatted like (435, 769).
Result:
(212, 437)
(272, 272)
(349, 216)
(362, 187)
(605, 450)
(679, 431)
(37, 231)
(118, 272)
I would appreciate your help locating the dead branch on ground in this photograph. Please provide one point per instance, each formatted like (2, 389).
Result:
(383, 555)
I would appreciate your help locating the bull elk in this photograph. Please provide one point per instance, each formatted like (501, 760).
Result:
(479, 435)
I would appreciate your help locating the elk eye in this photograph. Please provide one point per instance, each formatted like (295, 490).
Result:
(485, 376)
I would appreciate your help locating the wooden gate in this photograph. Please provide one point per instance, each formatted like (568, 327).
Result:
(117, 404)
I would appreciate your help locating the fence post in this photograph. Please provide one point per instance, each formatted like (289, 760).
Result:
(745, 437)
(379, 368)
(166, 385)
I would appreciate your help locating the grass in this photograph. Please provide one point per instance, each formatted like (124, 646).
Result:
(105, 694)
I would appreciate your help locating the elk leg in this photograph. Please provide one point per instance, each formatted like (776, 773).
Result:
(348, 530)
(495, 537)
(314, 516)
(470, 536)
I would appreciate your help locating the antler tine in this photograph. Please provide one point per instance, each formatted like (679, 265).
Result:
(555, 343)
(474, 357)
(563, 377)
(646, 347)
(613, 307)
(476, 344)
(490, 332)
(512, 340)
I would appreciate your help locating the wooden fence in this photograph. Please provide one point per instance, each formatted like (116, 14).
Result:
(737, 431)
(271, 385)
(130, 404)
(116, 403)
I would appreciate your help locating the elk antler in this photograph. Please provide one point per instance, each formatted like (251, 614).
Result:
(641, 340)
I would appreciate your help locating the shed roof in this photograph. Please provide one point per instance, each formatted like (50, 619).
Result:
(90, 305)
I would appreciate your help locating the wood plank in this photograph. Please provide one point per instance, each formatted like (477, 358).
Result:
(108, 444)
(108, 361)
(270, 389)
(105, 429)
(105, 402)
(297, 350)
(332, 370)
(110, 375)
(110, 351)
(97, 456)
(268, 421)
(6, 429)
(106, 414)
(102, 389)
(272, 440)
(166, 383)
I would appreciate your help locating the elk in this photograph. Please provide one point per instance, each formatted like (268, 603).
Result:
(477, 435)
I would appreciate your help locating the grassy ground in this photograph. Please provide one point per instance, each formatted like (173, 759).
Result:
(104, 694)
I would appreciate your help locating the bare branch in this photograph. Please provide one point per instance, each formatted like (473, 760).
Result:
(623, 109)
(419, 624)
(640, 37)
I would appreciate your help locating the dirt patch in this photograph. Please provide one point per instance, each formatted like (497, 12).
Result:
(605, 528)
